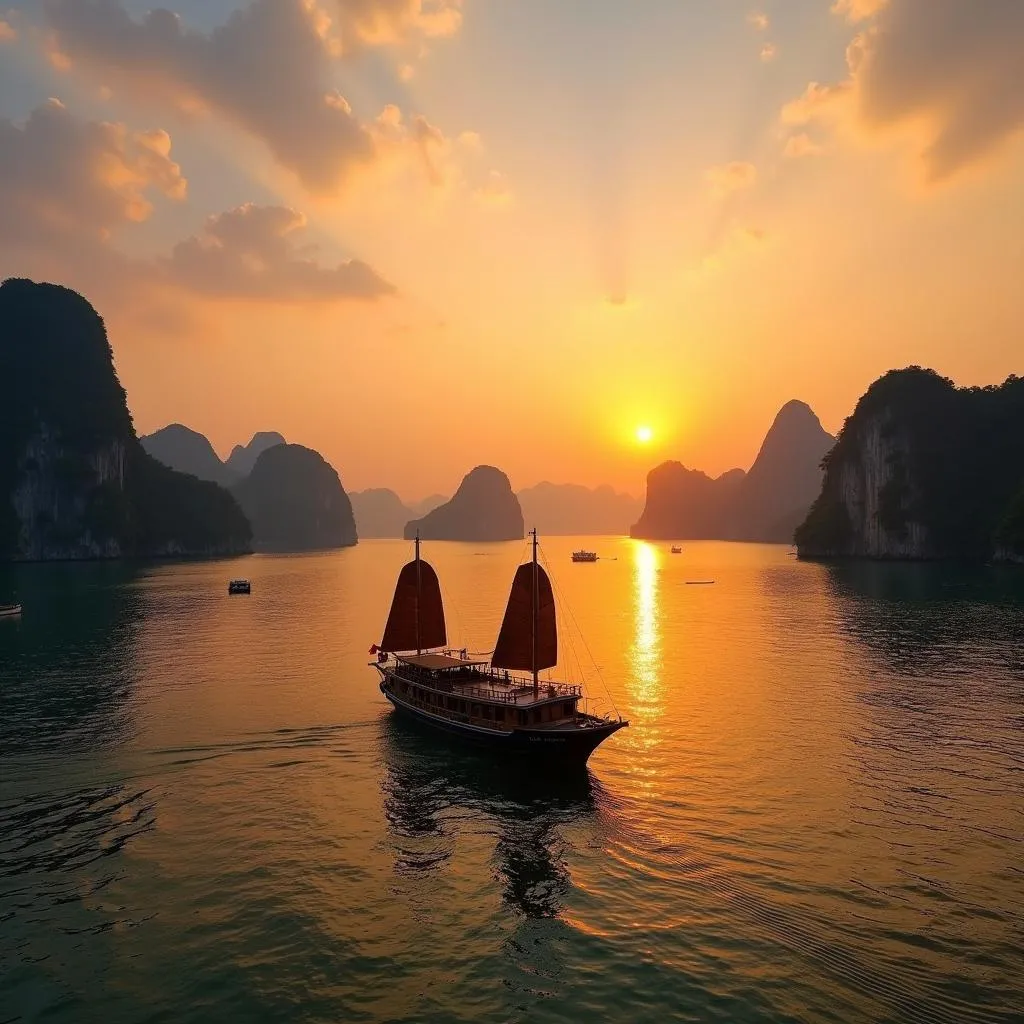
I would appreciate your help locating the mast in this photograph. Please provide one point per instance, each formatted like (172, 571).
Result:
(533, 619)
(419, 587)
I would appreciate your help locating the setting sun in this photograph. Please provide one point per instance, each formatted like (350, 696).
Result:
(644, 434)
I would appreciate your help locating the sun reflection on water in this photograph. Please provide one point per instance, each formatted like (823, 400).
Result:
(646, 683)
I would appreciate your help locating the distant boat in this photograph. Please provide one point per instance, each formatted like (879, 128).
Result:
(9, 611)
(478, 700)
(584, 556)
(677, 551)
(239, 587)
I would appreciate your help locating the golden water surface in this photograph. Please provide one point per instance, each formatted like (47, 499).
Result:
(208, 811)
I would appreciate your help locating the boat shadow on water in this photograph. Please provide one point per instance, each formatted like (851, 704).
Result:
(431, 789)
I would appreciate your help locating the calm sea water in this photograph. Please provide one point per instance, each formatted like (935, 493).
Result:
(208, 812)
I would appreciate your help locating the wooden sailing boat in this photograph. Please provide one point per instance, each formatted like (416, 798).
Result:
(482, 700)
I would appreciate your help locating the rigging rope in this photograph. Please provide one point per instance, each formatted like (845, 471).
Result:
(583, 639)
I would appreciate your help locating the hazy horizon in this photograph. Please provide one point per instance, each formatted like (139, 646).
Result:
(421, 235)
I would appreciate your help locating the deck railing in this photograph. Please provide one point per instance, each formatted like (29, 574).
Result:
(450, 682)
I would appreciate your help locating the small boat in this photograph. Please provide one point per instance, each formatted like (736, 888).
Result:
(239, 587)
(9, 611)
(480, 700)
(676, 550)
(584, 556)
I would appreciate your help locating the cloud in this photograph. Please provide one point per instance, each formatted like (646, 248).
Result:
(858, 10)
(269, 70)
(949, 72)
(731, 177)
(769, 52)
(758, 20)
(801, 145)
(67, 186)
(378, 22)
(817, 103)
(249, 252)
(494, 190)
(62, 177)
(8, 33)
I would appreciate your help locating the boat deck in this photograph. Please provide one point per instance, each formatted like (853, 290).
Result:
(515, 692)
(476, 681)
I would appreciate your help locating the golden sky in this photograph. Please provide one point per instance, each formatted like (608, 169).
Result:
(418, 235)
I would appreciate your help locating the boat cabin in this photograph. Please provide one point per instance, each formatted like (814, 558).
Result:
(239, 587)
(475, 693)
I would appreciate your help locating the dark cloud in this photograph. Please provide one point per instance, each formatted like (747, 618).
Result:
(957, 63)
(250, 253)
(952, 69)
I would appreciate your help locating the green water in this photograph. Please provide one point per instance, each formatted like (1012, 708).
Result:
(209, 813)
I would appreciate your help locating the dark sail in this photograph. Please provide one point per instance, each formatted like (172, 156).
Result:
(515, 641)
(416, 621)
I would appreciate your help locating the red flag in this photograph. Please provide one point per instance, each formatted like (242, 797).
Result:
(374, 648)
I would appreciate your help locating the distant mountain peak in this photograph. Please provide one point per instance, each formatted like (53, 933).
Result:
(243, 457)
(795, 430)
(762, 504)
(482, 509)
(187, 451)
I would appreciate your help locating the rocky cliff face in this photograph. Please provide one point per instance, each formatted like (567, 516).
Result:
(860, 485)
(764, 504)
(482, 509)
(295, 501)
(57, 494)
(74, 480)
(380, 512)
(922, 470)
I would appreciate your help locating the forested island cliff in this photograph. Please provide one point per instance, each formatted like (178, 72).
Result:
(924, 470)
(74, 480)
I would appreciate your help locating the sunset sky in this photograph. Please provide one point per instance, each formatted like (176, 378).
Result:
(418, 235)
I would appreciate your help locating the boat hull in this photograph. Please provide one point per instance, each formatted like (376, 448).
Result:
(574, 745)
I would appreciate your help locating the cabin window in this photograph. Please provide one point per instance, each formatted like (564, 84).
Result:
(474, 709)
(487, 711)
(522, 718)
(567, 708)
